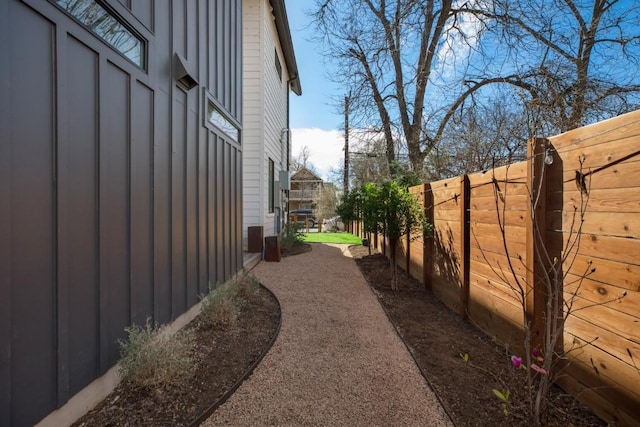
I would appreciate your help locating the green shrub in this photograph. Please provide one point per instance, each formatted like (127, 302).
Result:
(290, 235)
(151, 358)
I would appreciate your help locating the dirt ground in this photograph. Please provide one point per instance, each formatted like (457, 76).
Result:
(222, 358)
(436, 337)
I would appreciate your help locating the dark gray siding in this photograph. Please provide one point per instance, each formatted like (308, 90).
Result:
(117, 203)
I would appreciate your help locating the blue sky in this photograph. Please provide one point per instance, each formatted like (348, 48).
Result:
(312, 109)
(314, 121)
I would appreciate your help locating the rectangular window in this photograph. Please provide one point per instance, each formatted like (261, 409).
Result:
(271, 186)
(278, 65)
(218, 119)
(110, 28)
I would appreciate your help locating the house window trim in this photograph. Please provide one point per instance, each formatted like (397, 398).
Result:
(278, 64)
(210, 100)
(122, 20)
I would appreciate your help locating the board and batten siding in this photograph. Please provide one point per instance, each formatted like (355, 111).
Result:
(265, 113)
(118, 202)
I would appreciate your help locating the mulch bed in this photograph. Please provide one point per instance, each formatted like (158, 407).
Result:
(222, 358)
(438, 338)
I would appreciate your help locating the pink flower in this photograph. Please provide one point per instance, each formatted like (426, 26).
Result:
(516, 361)
(536, 352)
(538, 369)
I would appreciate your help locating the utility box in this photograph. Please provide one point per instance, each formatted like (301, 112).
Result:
(254, 239)
(285, 180)
(272, 248)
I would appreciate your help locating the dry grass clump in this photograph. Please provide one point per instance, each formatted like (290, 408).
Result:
(152, 358)
(220, 306)
(247, 286)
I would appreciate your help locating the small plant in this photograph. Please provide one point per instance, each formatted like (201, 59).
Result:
(219, 307)
(465, 357)
(247, 286)
(290, 235)
(151, 358)
(504, 397)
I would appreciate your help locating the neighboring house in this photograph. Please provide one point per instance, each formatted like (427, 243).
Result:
(120, 183)
(270, 73)
(306, 190)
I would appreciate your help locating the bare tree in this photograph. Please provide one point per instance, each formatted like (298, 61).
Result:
(302, 161)
(412, 65)
(369, 163)
(387, 50)
(482, 136)
(579, 57)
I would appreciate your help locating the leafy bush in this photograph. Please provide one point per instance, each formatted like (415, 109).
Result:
(151, 358)
(290, 235)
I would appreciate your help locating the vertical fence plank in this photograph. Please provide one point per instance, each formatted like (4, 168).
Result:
(465, 265)
(535, 232)
(428, 254)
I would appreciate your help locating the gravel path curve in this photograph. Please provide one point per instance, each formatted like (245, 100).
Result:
(337, 359)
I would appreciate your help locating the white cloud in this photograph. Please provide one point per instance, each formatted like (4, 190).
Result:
(326, 147)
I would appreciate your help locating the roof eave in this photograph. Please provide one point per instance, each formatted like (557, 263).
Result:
(284, 33)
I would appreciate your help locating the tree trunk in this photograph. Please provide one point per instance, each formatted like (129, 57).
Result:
(392, 259)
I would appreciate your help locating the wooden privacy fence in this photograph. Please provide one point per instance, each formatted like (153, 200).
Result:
(483, 239)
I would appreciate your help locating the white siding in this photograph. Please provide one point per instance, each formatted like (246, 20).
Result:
(265, 113)
(253, 117)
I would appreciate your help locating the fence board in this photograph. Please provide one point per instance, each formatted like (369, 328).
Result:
(516, 203)
(612, 343)
(610, 371)
(494, 317)
(607, 318)
(497, 263)
(610, 178)
(604, 293)
(614, 224)
(514, 171)
(447, 291)
(514, 218)
(515, 249)
(512, 233)
(621, 275)
(514, 187)
(603, 132)
(497, 288)
(619, 200)
(504, 276)
(605, 247)
(605, 399)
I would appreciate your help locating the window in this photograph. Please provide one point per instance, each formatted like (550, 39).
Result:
(271, 186)
(216, 118)
(278, 65)
(104, 24)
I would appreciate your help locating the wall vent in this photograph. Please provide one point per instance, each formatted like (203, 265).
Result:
(183, 76)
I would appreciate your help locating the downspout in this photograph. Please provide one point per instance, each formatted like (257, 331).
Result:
(294, 77)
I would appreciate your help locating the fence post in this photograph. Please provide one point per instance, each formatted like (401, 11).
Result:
(535, 229)
(428, 246)
(465, 242)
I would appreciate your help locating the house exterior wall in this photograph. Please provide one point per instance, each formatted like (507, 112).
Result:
(265, 113)
(118, 200)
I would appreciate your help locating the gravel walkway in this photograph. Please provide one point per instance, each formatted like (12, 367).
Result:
(337, 359)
